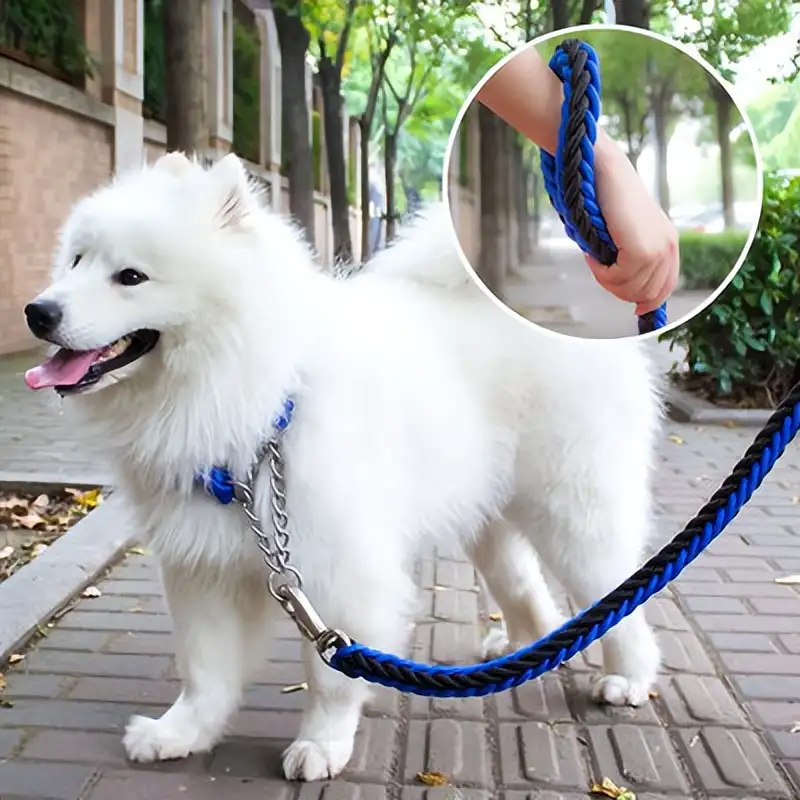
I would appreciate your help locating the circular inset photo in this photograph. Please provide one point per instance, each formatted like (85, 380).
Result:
(603, 182)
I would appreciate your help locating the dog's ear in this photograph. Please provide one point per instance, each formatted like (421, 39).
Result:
(232, 185)
(175, 163)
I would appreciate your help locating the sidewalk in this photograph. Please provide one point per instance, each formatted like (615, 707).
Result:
(558, 292)
(719, 728)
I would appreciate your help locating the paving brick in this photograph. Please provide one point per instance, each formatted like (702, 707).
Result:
(769, 687)
(448, 793)
(342, 790)
(539, 755)
(124, 603)
(640, 757)
(384, 702)
(458, 750)
(663, 612)
(454, 575)
(144, 785)
(89, 641)
(762, 663)
(785, 743)
(716, 605)
(700, 699)
(140, 644)
(76, 746)
(455, 605)
(62, 662)
(21, 684)
(743, 642)
(376, 743)
(134, 589)
(791, 641)
(45, 781)
(681, 651)
(111, 621)
(280, 725)
(462, 708)
(542, 699)
(587, 710)
(776, 605)
(10, 740)
(727, 760)
(125, 690)
(454, 643)
(775, 715)
(748, 623)
(691, 588)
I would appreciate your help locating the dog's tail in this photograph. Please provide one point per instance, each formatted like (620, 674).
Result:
(425, 251)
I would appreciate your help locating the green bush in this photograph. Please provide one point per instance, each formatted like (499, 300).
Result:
(246, 92)
(708, 258)
(154, 105)
(743, 349)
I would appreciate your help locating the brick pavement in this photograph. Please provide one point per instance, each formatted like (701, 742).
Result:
(719, 728)
(36, 443)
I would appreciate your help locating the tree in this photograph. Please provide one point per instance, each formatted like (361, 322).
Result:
(293, 38)
(331, 23)
(185, 90)
(724, 33)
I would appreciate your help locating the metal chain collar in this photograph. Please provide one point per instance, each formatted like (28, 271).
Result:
(284, 581)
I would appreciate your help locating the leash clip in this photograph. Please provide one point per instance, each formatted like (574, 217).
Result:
(295, 603)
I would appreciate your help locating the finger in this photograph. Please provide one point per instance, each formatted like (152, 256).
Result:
(658, 297)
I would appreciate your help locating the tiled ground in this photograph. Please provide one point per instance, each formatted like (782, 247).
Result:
(721, 726)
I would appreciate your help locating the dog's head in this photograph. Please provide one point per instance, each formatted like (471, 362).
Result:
(142, 261)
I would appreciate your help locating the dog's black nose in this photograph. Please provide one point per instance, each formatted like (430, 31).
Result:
(43, 317)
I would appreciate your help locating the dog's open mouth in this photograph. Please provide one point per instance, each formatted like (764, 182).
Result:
(72, 371)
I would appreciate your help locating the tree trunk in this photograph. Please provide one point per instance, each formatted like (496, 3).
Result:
(389, 162)
(365, 126)
(493, 224)
(511, 211)
(293, 38)
(536, 192)
(337, 169)
(723, 104)
(185, 86)
(523, 181)
(661, 145)
(560, 11)
(635, 13)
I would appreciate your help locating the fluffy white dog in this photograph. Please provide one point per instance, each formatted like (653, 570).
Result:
(423, 412)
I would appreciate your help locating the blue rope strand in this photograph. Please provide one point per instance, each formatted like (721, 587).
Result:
(571, 185)
(358, 661)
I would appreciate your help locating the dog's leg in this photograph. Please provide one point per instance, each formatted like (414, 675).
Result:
(215, 625)
(324, 745)
(510, 568)
(591, 551)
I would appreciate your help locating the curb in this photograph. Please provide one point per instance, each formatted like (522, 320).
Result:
(38, 481)
(33, 595)
(683, 407)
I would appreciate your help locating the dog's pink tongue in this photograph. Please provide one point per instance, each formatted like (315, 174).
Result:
(65, 368)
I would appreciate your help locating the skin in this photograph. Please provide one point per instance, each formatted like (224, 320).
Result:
(648, 262)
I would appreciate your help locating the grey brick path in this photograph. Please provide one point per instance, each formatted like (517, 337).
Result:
(720, 727)
(36, 443)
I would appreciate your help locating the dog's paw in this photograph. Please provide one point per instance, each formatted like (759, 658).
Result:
(617, 690)
(495, 643)
(149, 740)
(305, 760)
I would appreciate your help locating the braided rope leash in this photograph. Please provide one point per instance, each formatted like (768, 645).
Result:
(569, 176)
(357, 661)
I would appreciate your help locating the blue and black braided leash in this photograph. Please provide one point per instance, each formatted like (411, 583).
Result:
(569, 177)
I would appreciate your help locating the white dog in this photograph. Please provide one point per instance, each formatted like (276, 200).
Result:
(423, 412)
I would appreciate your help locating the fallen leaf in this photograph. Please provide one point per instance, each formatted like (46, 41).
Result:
(607, 788)
(795, 728)
(136, 610)
(653, 694)
(13, 503)
(139, 551)
(795, 500)
(6, 703)
(295, 687)
(6, 552)
(89, 499)
(2, 681)
(15, 658)
(91, 591)
(42, 501)
(676, 439)
(496, 616)
(694, 740)
(790, 580)
(38, 549)
(729, 423)
(30, 521)
(433, 778)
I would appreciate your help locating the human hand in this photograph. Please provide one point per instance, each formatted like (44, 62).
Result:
(648, 260)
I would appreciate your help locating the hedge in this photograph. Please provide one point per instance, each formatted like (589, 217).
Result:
(743, 350)
(708, 258)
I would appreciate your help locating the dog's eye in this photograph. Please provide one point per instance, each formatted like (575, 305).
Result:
(130, 277)
(76, 260)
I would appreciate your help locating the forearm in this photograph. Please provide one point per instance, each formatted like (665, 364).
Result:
(527, 95)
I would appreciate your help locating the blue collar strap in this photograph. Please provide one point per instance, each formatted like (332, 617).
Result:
(217, 482)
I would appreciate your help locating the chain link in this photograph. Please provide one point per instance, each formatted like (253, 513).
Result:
(284, 580)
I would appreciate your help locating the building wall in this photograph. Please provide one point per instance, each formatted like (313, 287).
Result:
(55, 146)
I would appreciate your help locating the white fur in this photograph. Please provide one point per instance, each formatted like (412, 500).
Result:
(423, 412)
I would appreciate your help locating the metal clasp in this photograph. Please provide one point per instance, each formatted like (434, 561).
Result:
(309, 623)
